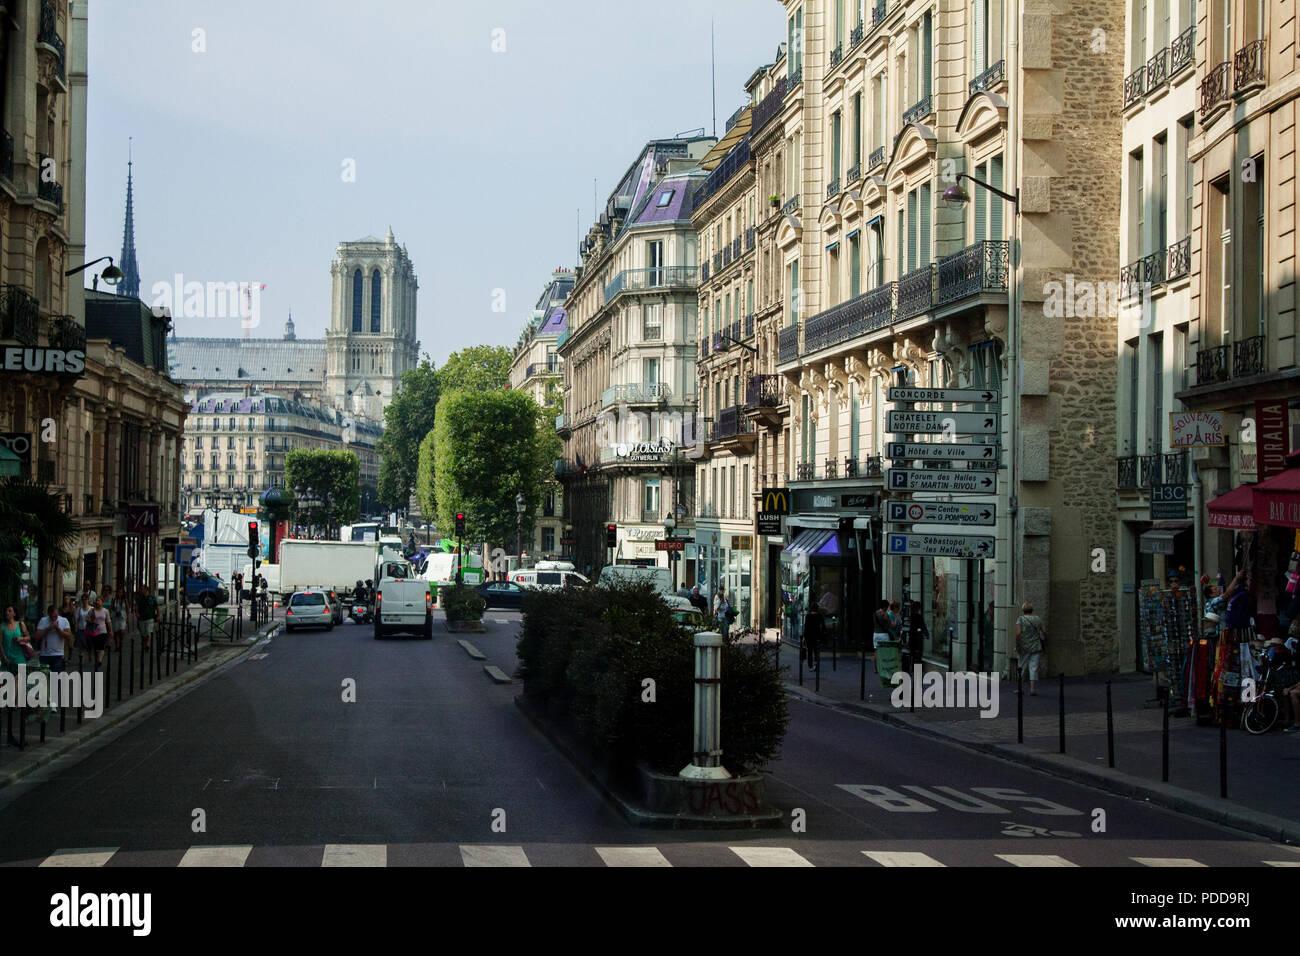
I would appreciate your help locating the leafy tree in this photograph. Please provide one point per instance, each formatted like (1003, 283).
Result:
(332, 474)
(407, 419)
(479, 368)
(487, 448)
(30, 515)
(424, 478)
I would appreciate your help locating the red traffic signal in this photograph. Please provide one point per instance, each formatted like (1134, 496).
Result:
(252, 534)
(611, 536)
(460, 523)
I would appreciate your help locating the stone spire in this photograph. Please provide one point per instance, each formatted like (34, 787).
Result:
(130, 284)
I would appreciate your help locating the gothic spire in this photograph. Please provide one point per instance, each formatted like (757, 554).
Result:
(130, 284)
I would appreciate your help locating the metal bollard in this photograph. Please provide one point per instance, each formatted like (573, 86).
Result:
(130, 671)
(862, 688)
(706, 763)
(119, 675)
(1164, 742)
(108, 665)
(1110, 729)
(63, 717)
(1062, 711)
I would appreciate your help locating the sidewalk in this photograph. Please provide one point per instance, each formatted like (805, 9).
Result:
(132, 707)
(1263, 772)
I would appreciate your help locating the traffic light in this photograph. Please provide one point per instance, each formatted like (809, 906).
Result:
(460, 524)
(611, 536)
(253, 541)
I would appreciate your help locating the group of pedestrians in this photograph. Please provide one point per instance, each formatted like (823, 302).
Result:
(722, 612)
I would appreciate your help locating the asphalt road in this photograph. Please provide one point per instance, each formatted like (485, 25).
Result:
(432, 762)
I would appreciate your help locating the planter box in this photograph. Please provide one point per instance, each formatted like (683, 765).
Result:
(465, 627)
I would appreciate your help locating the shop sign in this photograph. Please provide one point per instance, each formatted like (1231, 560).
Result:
(858, 501)
(56, 361)
(742, 542)
(1168, 502)
(769, 522)
(142, 519)
(1271, 444)
(1195, 429)
(670, 544)
(641, 534)
(643, 450)
(776, 500)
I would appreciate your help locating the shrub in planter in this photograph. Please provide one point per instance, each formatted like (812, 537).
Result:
(552, 622)
(460, 602)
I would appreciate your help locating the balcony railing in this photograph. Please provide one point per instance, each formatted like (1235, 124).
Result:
(1180, 259)
(66, 334)
(704, 272)
(731, 164)
(877, 12)
(1126, 476)
(1148, 468)
(1248, 66)
(1153, 268)
(982, 267)
(1212, 365)
(20, 316)
(872, 466)
(731, 422)
(1130, 279)
(877, 158)
(916, 292)
(765, 391)
(837, 55)
(989, 78)
(861, 315)
(855, 173)
(48, 34)
(47, 189)
(769, 107)
(1248, 357)
(787, 348)
(1214, 90)
(917, 111)
(635, 393)
(805, 471)
(1135, 85)
(791, 205)
(749, 239)
(1157, 71)
(855, 37)
(7, 156)
(1175, 468)
(543, 368)
(658, 277)
(1182, 52)
(795, 77)
(833, 188)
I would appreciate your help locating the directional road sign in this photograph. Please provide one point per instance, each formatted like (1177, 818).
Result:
(940, 512)
(941, 545)
(961, 482)
(986, 396)
(937, 423)
(942, 451)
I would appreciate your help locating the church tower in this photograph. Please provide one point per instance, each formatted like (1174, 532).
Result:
(371, 338)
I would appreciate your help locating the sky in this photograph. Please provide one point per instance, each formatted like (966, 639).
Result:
(245, 117)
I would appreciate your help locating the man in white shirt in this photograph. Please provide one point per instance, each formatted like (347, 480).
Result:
(51, 634)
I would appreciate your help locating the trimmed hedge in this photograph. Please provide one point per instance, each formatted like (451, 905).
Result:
(592, 648)
(460, 602)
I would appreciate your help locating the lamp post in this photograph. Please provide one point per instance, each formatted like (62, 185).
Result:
(111, 274)
(670, 524)
(520, 505)
(955, 195)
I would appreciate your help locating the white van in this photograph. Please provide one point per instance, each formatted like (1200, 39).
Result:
(548, 574)
(660, 579)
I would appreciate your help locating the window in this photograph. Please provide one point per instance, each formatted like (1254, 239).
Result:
(833, 275)
(987, 47)
(1155, 440)
(1253, 302)
(792, 306)
(1139, 35)
(548, 505)
(652, 322)
(855, 419)
(357, 282)
(878, 111)
(836, 143)
(654, 257)
(1185, 172)
(1137, 230)
(855, 265)
(856, 135)
(650, 496)
(650, 371)
(376, 288)
(1160, 201)
(665, 198)
(548, 540)
(1134, 380)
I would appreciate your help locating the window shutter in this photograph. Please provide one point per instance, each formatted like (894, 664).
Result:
(995, 178)
(923, 257)
(978, 45)
(981, 204)
(911, 231)
(927, 53)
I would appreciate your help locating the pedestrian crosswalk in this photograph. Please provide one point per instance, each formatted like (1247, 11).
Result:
(682, 854)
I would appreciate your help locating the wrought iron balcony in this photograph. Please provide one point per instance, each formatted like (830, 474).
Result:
(872, 466)
(544, 368)
(1212, 365)
(1175, 468)
(795, 77)
(989, 78)
(765, 391)
(1126, 473)
(837, 55)
(833, 188)
(1148, 468)
(769, 107)
(855, 173)
(1182, 52)
(1130, 279)
(918, 110)
(831, 469)
(704, 347)
(731, 164)
(1214, 90)
(877, 158)
(791, 205)
(787, 348)
(1135, 86)
(1153, 269)
(66, 334)
(749, 239)
(735, 248)
(20, 316)
(863, 314)
(805, 471)
(1180, 259)
(47, 189)
(1157, 71)
(981, 267)
(857, 35)
(7, 156)
(916, 292)
(1248, 66)
(877, 12)
(1248, 357)
(731, 422)
(658, 277)
(635, 393)
(48, 35)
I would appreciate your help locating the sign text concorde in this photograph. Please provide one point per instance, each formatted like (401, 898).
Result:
(937, 423)
(942, 451)
(941, 545)
(961, 482)
(984, 396)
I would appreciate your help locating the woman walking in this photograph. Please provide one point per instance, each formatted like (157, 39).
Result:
(97, 625)
(82, 642)
(118, 616)
(13, 637)
(1031, 637)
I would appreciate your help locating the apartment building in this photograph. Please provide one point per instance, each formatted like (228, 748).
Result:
(1239, 345)
(1153, 300)
(629, 356)
(949, 168)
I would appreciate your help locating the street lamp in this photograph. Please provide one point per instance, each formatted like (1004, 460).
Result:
(520, 505)
(670, 524)
(111, 274)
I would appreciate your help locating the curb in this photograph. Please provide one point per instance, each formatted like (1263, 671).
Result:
(1117, 782)
(130, 711)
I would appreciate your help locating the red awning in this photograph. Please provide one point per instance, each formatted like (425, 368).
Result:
(1235, 510)
(1277, 500)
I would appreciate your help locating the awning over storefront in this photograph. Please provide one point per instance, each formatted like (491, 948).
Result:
(1160, 539)
(1235, 510)
(814, 542)
(1277, 500)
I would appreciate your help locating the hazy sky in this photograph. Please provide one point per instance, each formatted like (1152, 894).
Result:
(479, 161)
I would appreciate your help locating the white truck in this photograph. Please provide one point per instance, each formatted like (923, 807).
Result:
(336, 565)
(225, 561)
(402, 601)
(441, 570)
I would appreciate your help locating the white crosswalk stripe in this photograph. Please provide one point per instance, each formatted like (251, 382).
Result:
(88, 857)
(769, 856)
(1165, 861)
(901, 858)
(1034, 859)
(216, 856)
(1281, 862)
(355, 854)
(493, 856)
(632, 856)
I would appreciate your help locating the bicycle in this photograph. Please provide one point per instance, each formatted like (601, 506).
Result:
(1261, 709)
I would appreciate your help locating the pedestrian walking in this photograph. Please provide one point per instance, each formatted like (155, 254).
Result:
(1031, 638)
(723, 612)
(15, 649)
(814, 628)
(146, 613)
(97, 630)
(882, 625)
(81, 642)
(53, 633)
(119, 615)
(697, 599)
(88, 592)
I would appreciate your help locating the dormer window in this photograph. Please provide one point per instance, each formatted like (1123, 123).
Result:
(665, 198)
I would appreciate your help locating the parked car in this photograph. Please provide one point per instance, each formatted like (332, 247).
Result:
(692, 620)
(502, 593)
(308, 608)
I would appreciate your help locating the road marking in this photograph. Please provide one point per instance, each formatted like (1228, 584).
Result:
(355, 854)
(769, 856)
(1281, 862)
(1034, 859)
(632, 856)
(901, 858)
(216, 856)
(493, 856)
(1165, 861)
(89, 857)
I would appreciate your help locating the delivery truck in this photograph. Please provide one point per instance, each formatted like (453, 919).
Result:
(225, 561)
(336, 565)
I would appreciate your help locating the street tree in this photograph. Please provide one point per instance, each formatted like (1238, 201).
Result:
(31, 516)
(407, 419)
(480, 368)
(333, 477)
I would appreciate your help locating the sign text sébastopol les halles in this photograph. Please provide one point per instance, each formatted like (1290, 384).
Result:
(643, 450)
(66, 362)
